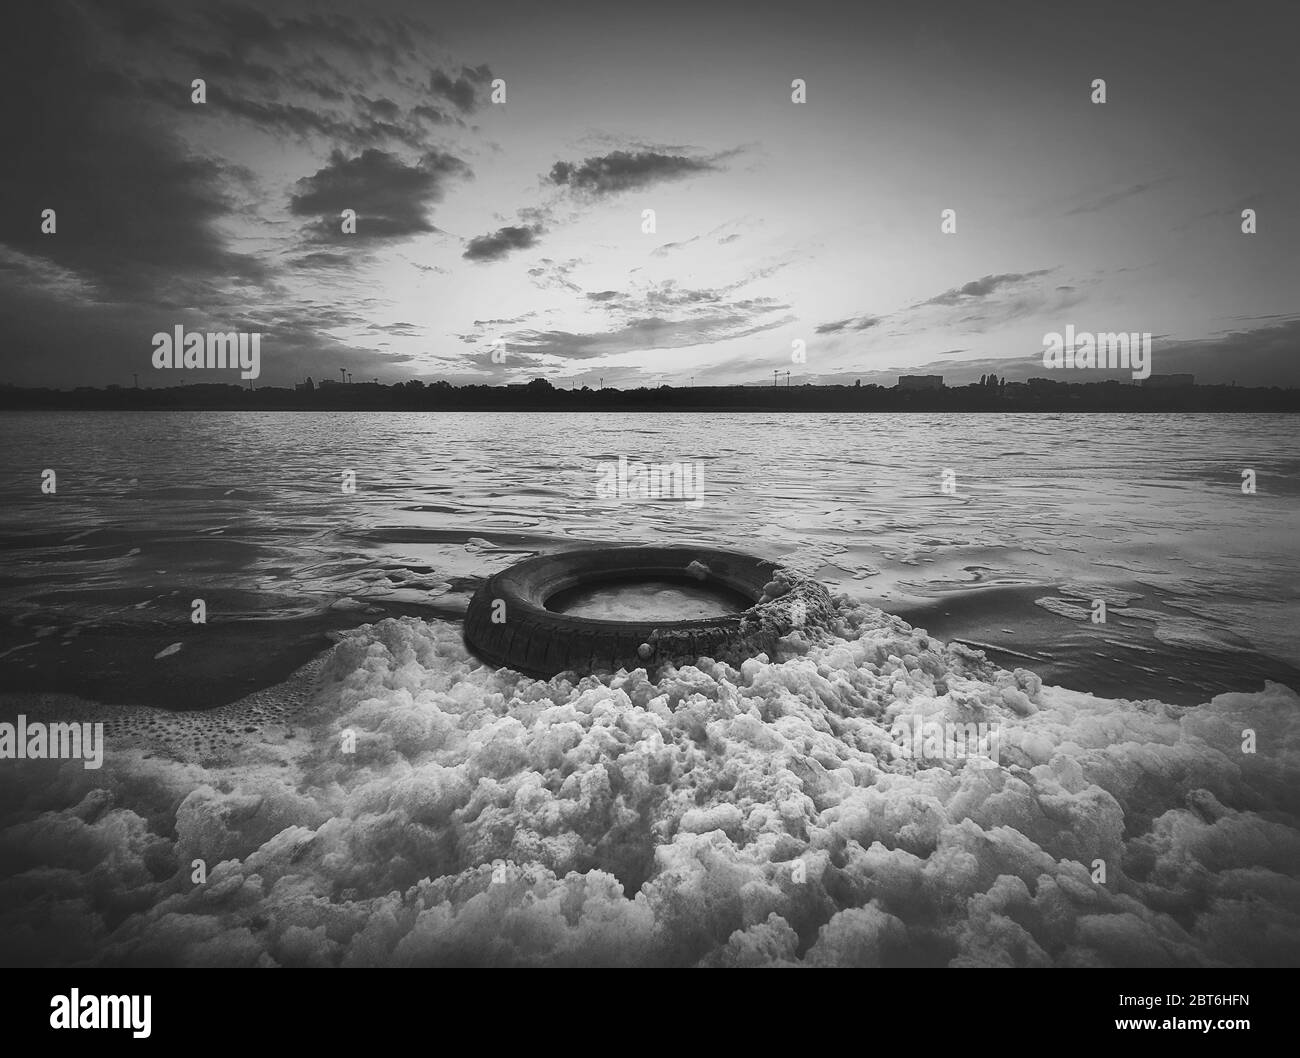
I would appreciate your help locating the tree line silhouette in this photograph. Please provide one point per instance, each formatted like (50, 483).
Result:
(989, 394)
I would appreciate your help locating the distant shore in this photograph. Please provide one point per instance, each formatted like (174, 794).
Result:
(540, 396)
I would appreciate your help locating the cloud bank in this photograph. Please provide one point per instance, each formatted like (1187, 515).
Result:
(391, 198)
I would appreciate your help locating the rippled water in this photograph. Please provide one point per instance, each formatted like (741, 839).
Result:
(247, 512)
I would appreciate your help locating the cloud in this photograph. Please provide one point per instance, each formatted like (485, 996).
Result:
(669, 247)
(312, 77)
(384, 109)
(626, 171)
(668, 293)
(246, 28)
(430, 114)
(146, 220)
(549, 274)
(983, 287)
(399, 329)
(660, 315)
(503, 322)
(53, 337)
(391, 198)
(979, 305)
(649, 333)
(463, 90)
(138, 213)
(358, 129)
(322, 259)
(1262, 356)
(1117, 196)
(497, 244)
(1006, 295)
(856, 323)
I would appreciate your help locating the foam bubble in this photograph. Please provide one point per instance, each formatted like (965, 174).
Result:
(715, 816)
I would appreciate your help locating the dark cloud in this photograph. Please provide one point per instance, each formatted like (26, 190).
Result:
(216, 66)
(136, 210)
(322, 259)
(244, 28)
(463, 91)
(430, 114)
(663, 296)
(311, 76)
(53, 338)
(626, 171)
(499, 323)
(382, 108)
(1262, 356)
(391, 198)
(400, 329)
(303, 121)
(983, 287)
(369, 123)
(497, 244)
(856, 323)
(143, 218)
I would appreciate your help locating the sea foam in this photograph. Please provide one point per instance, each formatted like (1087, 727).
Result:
(714, 817)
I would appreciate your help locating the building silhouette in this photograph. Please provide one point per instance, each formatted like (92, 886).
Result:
(920, 381)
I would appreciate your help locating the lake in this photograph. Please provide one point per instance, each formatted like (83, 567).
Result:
(1103, 794)
(1041, 517)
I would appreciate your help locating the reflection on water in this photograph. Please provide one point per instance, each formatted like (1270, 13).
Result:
(247, 512)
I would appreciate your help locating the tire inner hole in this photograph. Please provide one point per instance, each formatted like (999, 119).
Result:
(648, 599)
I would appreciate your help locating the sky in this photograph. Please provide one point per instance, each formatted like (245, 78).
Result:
(518, 225)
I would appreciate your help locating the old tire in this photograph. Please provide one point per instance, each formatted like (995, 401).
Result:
(531, 639)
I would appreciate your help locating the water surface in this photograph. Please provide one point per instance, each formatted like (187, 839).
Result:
(248, 512)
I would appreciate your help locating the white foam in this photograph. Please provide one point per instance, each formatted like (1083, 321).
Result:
(715, 817)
